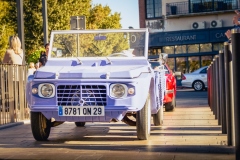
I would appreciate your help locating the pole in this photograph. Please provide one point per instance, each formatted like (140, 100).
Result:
(227, 93)
(20, 26)
(214, 88)
(211, 86)
(45, 21)
(231, 94)
(236, 90)
(222, 92)
(217, 91)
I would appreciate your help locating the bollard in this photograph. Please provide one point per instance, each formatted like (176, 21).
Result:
(214, 88)
(211, 87)
(217, 90)
(231, 94)
(227, 93)
(222, 96)
(236, 84)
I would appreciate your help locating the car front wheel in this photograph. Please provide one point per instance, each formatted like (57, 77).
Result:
(198, 86)
(40, 125)
(143, 121)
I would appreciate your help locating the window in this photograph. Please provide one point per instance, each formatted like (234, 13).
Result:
(206, 47)
(206, 60)
(168, 49)
(212, 5)
(218, 46)
(193, 48)
(193, 63)
(180, 49)
(153, 51)
(181, 64)
(153, 8)
(204, 71)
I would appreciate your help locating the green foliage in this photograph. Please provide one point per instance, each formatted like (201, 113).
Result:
(34, 56)
(6, 27)
(59, 13)
(101, 18)
(89, 46)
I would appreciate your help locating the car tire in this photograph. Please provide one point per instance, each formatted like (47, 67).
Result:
(170, 106)
(80, 124)
(143, 121)
(41, 126)
(158, 117)
(129, 121)
(198, 85)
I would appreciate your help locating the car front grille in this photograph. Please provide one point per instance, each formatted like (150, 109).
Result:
(81, 95)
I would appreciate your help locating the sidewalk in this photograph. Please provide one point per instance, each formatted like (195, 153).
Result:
(191, 132)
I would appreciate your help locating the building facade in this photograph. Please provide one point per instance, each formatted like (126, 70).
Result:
(190, 31)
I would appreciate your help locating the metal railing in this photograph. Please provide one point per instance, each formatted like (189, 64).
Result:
(13, 106)
(198, 6)
(177, 8)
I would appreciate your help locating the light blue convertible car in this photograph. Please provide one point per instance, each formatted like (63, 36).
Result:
(96, 76)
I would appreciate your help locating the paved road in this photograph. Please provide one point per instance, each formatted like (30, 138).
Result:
(189, 97)
(188, 133)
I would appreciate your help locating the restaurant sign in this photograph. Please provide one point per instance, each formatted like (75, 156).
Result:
(188, 37)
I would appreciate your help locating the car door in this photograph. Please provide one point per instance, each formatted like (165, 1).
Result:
(203, 76)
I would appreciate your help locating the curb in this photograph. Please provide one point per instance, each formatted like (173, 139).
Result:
(11, 125)
(181, 87)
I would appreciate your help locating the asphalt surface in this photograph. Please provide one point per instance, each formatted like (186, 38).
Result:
(191, 132)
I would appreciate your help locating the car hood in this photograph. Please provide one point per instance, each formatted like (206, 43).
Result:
(90, 69)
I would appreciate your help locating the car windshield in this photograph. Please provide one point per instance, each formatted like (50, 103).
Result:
(98, 43)
(199, 70)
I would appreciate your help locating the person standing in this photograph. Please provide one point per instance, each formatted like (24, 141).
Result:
(31, 69)
(14, 54)
(44, 56)
(236, 24)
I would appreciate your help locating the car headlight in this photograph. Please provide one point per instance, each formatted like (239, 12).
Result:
(46, 90)
(118, 90)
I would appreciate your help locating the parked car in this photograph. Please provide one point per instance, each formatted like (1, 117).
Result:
(96, 76)
(196, 80)
(169, 100)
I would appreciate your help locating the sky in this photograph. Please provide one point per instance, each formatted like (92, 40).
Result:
(127, 8)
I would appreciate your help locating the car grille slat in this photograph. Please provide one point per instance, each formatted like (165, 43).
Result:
(81, 95)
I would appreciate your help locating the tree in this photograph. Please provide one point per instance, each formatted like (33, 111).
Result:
(101, 18)
(59, 13)
(7, 27)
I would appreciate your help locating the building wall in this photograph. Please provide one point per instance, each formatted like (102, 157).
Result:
(187, 48)
(141, 4)
(184, 22)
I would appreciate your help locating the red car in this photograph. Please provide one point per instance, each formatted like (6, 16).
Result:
(169, 100)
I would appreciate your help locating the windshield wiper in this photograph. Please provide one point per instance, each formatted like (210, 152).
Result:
(109, 61)
(79, 60)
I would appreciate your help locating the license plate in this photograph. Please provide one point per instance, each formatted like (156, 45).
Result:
(81, 110)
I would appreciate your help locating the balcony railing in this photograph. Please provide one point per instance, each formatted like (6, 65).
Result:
(186, 7)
